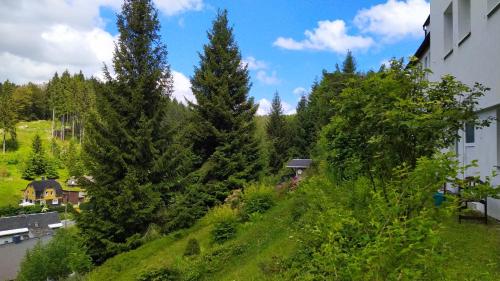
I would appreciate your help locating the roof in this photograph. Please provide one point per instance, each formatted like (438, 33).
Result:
(41, 185)
(424, 46)
(18, 224)
(299, 163)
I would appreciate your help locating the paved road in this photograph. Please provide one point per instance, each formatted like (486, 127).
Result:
(11, 256)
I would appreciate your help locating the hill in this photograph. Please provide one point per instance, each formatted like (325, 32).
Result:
(11, 164)
(271, 245)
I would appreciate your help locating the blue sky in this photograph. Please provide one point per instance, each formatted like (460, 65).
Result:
(271, 35)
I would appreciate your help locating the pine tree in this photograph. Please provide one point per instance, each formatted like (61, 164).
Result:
(223, 121)
(8, 116)
(37, 162)
(303, 134)
(127, 144)
(278, 135)
(349, 64)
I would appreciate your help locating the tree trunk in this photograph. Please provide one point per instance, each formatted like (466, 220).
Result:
(4, 146)
(53, 120)
(73, 127)
(62, 127)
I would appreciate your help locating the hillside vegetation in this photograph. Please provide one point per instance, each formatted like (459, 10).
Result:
(271, 246)
(11, 164)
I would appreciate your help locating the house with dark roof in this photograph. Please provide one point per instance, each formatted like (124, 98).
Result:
(46, 192)
(23, 227)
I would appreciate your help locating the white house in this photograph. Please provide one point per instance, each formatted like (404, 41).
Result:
(463, 39)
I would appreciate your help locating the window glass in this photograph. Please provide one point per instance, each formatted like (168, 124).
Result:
(469, 133)
(448, 28)
(492, 4)
(463, 18)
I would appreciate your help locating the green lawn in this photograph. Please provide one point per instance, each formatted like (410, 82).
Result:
(11, 186)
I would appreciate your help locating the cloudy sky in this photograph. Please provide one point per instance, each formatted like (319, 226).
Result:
(286, 43)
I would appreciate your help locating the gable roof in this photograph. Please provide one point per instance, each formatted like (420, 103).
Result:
(299, 163)
(22, 223)
(41, 185)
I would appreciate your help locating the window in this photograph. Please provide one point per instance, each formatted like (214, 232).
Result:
(448, 30)
(493, 6)
(469, 133)
(463, 20)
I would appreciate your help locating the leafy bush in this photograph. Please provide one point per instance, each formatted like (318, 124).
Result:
(257, 199)
(60, 257)
(4, 172)
(164, 274)
(221, 213)
(192, 248)
(16, 210)
(223, 231)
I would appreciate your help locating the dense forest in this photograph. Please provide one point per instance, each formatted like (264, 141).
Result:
(159, 166)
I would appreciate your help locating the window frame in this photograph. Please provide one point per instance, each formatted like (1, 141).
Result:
(468, 129)
(491, 10)
(448, 31)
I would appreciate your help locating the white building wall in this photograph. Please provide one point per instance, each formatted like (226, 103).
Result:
(474, 59)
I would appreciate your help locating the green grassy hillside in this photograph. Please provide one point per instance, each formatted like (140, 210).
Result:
(11, 186)
(265, 245)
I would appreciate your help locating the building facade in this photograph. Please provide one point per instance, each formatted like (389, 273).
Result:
(45, 192)
(463, 39)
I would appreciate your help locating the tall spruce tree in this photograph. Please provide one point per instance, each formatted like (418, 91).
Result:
(223, 123)
(127, 144)
(278, 134)
(303, 135)
(8, 116)
(349, 64)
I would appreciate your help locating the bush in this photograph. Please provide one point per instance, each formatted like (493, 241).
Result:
(4, 172)
(257, 199)
(164, 274)
(60, 257)
(192, 248)
(224, 231)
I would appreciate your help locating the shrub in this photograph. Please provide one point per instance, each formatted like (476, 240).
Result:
(221, 213)
(4, 172)
(257, 199)
(192, 248)
(223, 231)
(163, 274)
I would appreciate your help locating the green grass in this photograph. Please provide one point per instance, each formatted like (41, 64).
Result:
(263, 237)
(11, 186)
(471, 251)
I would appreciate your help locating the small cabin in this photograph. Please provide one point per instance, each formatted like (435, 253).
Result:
(299, 165)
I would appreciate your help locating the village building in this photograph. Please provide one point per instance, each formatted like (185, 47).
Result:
(462, 38)
(299, 165)
(44, 192)
(22, 227)
(74, 194)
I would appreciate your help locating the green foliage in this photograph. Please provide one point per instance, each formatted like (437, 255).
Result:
(223, 126)
(224, 230)
(60, 257)
(278, 133)
(128, 144)
(10, 210)
(192, 248)
(257, 199)
(8, 116)
(37, 163)
(164, 274)
(30, 102)
(51, 170)
(394, 117)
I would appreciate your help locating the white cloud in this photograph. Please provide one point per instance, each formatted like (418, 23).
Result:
(253, 64)
(182, 88)
(265, 107)
(328, 36)
(173, 7)
(44, 36)
(272, 79)
(394, 19)
(300, 91)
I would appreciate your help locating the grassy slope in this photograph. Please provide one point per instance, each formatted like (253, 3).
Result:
(11, 187)
(472, 250)
(266, 236)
